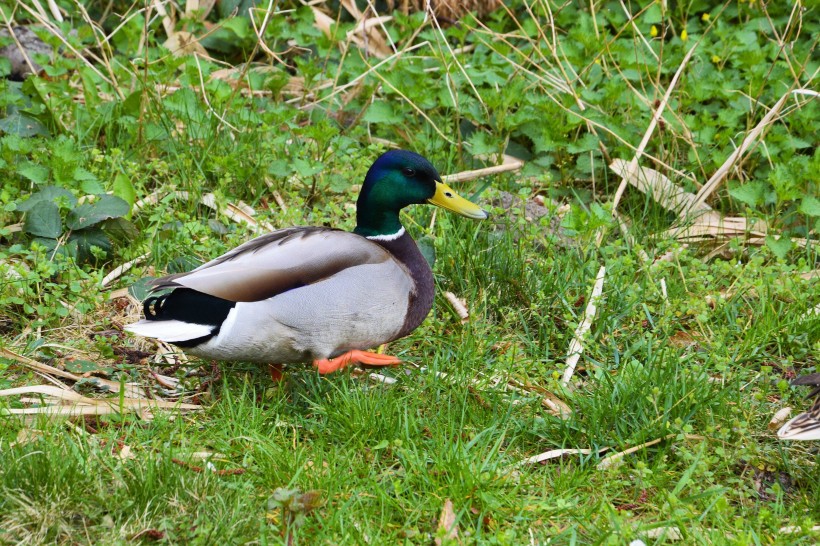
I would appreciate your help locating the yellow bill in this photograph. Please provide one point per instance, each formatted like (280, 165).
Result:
(446, 198)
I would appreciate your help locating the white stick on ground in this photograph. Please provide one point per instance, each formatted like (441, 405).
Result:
(459, 306)
(576, 347)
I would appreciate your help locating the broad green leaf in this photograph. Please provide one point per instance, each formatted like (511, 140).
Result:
(279, 168)
(306, 168)
(231, 8)
(779, 247)
(105, 207)
(653, 14)
(750, 193)
(142, 288)
(87, 238)
(43, 220)
(91, 187)
(120, 229)
(481, 143)
(34, 172)
(182, 264)
(49, 194)
(88, 182)
(124, 189)
(587, 143)
(810, 206)
(381, 112)
(232, 34)
(53, 247)
(90, 87)
(217, 227)
(81, 366)
(746, 37)
(17, 123)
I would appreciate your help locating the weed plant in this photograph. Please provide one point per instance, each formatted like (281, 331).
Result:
(106, 157)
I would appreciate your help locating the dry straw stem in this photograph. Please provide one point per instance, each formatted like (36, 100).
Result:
(204, 7)
(714, 182)
(86, 55)
(240, 212)
(20, 47)
(52, 7)
(120, 270)
(617, 458)
(510, 164)
(60, 401)
(669, 533)
(355, 81)
(554, 405)
(260, 41)
(656, 116)
(38, 367)
(794, 529)
(811, 275)
(446, 42)
(365, 35)
(415, 107)
(698, 222)
(549, 82)
(568, 81)
(576, 347)
(196, 55)
(167, 22)
(559, 453)
(50, 372)
(654, 184)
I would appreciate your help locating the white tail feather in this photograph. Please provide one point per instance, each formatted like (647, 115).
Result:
(169, 330)
(802, 427)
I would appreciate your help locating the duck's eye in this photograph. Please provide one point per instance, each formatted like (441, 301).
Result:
(408, 171)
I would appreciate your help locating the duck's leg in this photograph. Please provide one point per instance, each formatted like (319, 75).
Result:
(330, 365)
(275, 371)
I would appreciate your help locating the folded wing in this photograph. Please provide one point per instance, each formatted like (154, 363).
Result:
(277, 262)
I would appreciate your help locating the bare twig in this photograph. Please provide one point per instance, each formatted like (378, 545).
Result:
(118, 271)
(513, 165)
(576, 347)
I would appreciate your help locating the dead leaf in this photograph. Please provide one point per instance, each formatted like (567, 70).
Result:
(447, 528)
(181, 43)
(779, 418)
(657, 186)
(27, 436)
(669, 533)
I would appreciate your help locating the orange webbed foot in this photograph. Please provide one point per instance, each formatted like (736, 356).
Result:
(330, 365)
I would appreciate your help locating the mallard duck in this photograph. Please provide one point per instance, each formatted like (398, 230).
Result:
(805, 426)
(312, 294)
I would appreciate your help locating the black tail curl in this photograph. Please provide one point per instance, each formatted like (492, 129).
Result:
(152, 308)
(188, 305)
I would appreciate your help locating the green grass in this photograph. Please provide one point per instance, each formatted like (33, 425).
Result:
(695, 351)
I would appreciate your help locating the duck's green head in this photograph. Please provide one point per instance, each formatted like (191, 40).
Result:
(399, 178)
